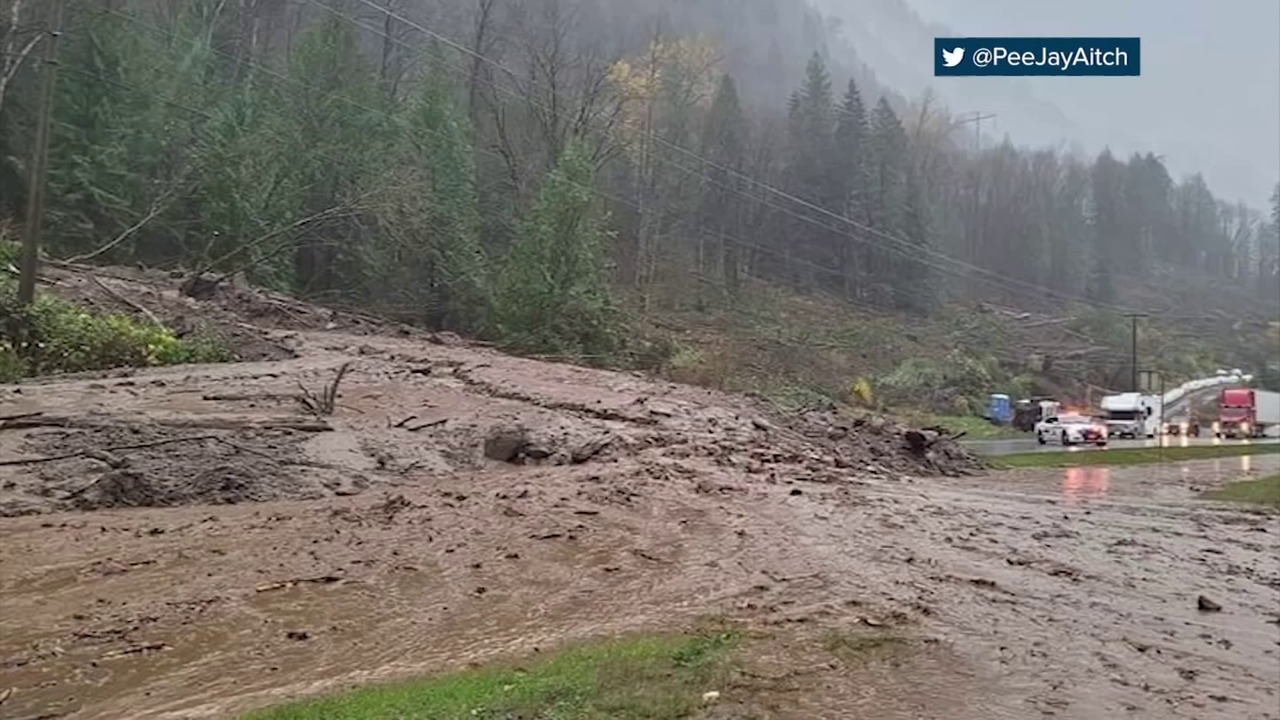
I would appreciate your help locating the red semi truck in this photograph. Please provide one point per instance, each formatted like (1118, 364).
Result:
(1244, 412)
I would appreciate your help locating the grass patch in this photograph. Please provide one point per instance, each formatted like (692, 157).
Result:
(1263, 491)
(974, 428)
(1131, 456)
(639, 677)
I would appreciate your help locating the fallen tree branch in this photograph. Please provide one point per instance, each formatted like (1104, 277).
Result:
(121, 298)
(201, 287)
(320, 580)
(137, 650)
(110, 448)
(328, 399)
(426, 425)
(157, 207)
(206, 422)
(245, 397)
(244, 449)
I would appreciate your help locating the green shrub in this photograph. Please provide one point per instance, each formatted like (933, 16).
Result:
(551, 295)
(10, 252)
(55, 336)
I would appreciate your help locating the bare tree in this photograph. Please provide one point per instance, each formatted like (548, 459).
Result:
(18, 43)
(479, 47)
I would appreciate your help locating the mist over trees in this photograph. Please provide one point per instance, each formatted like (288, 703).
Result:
(527, 170)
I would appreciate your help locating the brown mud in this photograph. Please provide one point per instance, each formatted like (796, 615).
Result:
(187, 542)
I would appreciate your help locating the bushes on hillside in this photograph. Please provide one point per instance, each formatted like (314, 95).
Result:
(55, 336)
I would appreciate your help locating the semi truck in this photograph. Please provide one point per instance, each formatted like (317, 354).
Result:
(1245, 412)
(1131, 415)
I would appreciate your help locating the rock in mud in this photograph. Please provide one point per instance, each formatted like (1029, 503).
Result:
(1207, 605)
(589, 449)
(445, 338)
(347, 485)
(505, 442)
(920, 440)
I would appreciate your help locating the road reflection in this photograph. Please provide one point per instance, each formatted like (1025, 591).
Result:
(1085, 483)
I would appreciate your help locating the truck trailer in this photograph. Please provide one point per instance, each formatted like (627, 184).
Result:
(1249, 413)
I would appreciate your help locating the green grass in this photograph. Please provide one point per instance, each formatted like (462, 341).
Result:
(1132, 456)
(974, 428)
(639, 677)
(1263, 491)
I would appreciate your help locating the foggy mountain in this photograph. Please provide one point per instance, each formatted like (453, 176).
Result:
(1208, 99)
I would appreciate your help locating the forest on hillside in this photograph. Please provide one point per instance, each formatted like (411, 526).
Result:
(538, 172)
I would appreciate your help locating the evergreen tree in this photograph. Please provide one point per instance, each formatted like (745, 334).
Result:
(551, 296)
(334, 143)
(811, 122)
(811, 125)
(1107, 225)
(431, 226)
(851, 162)
(913, 287)
(887, 197)
(1275, 206)
(724, 142)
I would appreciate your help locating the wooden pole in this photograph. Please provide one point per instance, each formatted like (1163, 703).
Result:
(40, 162)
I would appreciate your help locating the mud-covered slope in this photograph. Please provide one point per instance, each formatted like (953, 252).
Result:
(411, 406)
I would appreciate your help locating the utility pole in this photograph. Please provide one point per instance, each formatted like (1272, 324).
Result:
(1133, 356)
(40, 161)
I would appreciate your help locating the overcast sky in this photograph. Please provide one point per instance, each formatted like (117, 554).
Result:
(1208, 98)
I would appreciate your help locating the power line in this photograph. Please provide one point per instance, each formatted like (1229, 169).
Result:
(909, 251)
(900, 246)
(905, 245)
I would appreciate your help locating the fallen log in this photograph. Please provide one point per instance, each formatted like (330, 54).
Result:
(107, 449)
(194, 422)
(319, 580)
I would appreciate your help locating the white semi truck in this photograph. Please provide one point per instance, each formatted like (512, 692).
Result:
(1132, 415)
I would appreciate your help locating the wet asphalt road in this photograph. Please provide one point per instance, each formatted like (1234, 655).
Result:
(1027, 445)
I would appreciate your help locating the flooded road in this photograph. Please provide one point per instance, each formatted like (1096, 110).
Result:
(1013, 446)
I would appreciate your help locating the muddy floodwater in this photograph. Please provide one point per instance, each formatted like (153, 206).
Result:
(185, 543)
(1061, 593)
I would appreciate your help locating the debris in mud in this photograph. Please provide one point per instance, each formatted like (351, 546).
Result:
(392, 506)
(1207, 605)
(900, 449)
(563, 446)
(136, 650)
(297, 635)
(319, 580)
(505, 442)
(223, 484)
(114, 466)
(445, 337)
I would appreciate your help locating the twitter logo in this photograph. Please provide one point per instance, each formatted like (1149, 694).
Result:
(952, 58)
